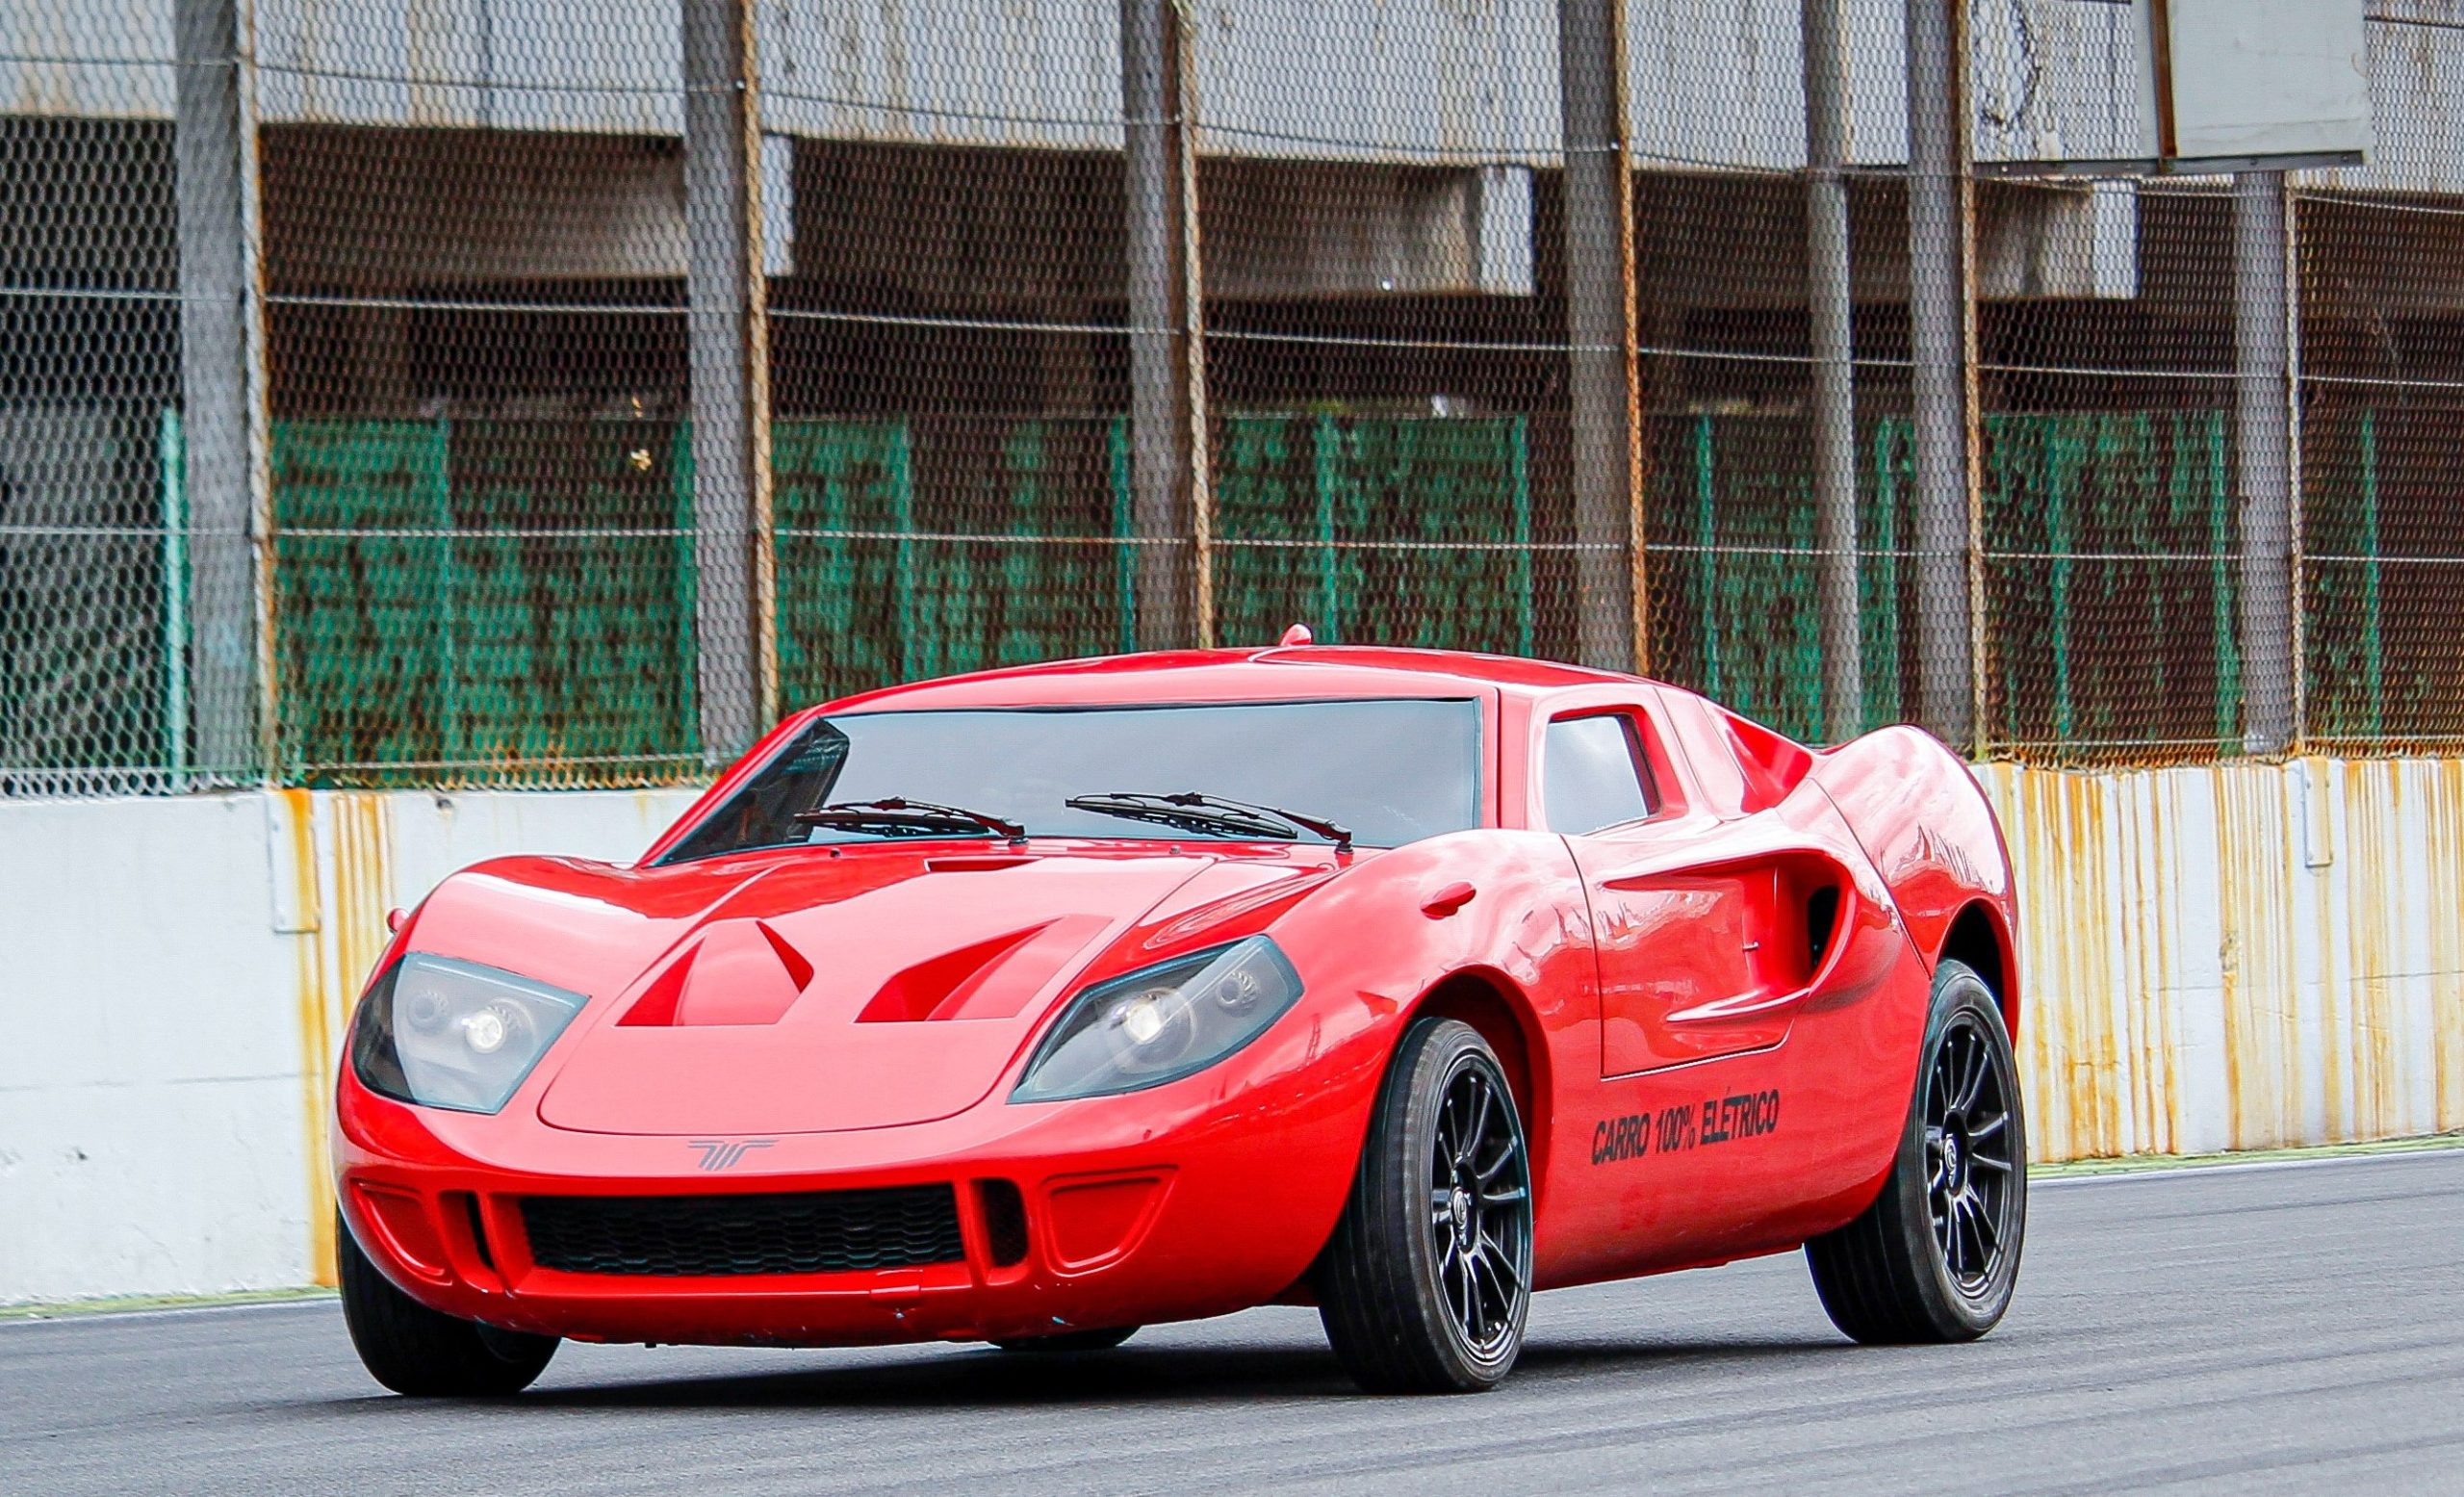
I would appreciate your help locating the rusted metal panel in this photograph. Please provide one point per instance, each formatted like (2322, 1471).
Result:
(513, 65)
(2243, 956)
(1419, 81)
(2213, 958)
(341, 862)
(2235, 957)
(112, 59)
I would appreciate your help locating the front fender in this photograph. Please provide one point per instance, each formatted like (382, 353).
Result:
(1370, 954)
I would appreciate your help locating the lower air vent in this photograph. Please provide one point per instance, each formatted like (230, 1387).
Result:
(697, 1236)
(1005, 1221)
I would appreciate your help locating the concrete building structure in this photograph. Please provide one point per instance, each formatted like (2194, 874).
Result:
(422, 156)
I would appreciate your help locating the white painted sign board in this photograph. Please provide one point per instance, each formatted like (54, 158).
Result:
(2238, 85)
(2268, 82)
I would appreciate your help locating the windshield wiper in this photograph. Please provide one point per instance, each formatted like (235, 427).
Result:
(1190, 811)
(895, 816)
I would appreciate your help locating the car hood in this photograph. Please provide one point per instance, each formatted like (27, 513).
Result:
(813, 992)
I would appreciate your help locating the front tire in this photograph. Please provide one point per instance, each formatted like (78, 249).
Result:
(1936, 1257)
(1425, 1287)
(420, 1353)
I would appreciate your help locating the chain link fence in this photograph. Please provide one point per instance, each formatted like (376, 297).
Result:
(523, 392)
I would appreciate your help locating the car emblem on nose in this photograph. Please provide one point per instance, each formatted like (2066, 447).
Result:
(718, 1153)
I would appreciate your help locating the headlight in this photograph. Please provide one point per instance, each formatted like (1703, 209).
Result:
(1161, 1023)
(443, 1033)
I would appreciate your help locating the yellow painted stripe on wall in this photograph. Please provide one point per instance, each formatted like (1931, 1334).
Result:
(347, 880)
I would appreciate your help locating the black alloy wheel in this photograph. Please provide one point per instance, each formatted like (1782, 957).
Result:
(1969, 1172)
(1428, 1281)
(1480, 1210)
(1937, 1255)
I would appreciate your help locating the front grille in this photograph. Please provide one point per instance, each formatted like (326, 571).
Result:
(684, 1237)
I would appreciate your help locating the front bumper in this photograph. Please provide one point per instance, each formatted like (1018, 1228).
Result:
(1192, 1200)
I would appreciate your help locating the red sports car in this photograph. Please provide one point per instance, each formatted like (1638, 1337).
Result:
(1035, 1006)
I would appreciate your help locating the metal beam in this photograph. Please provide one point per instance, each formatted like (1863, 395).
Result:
(1169, 460)
(1835, 374)
(2264, 433)
(222, 391)
(1604, 393)
(728, 328)
(1941, 224)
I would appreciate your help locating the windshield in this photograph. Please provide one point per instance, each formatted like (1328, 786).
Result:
(1391, 771)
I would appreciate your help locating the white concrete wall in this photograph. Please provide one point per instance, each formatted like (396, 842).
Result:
(150, 1103)
(1713, 83)
(2215, 958)
(176, 974)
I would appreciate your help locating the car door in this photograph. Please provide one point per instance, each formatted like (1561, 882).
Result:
(1666, 940)
(1738, 938)
(1709, 925)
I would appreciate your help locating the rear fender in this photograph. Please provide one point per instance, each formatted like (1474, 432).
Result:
(1931, 835)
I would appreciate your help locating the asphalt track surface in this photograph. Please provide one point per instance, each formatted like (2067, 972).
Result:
(2250, 1330)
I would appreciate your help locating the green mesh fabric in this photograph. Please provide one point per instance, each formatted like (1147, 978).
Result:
(482, 601)
(1733, 581)
(2112, 584)
(1019, 561)
(1381, 531)
(512, 602)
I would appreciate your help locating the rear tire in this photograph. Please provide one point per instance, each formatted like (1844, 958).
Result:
(1068, 1340)
(1425, 1284)
(1935, 1256)
(420, 1353)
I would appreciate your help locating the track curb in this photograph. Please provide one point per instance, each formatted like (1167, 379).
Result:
(160, 1304)
(2142, 1166)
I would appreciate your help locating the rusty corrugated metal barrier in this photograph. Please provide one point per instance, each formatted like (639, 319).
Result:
(2241, 956)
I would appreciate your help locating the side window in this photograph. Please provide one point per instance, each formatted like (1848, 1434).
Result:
(1594, 774)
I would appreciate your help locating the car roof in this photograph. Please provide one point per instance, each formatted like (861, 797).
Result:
(1282, 673)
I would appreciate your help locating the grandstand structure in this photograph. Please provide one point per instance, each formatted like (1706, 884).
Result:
(407, 391)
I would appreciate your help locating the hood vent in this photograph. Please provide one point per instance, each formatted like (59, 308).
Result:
(988, 979)
(739, 972)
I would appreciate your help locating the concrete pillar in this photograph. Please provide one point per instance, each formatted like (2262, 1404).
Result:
(2266, 441)
(728, 328)
(1602, 389)
(1828, 309)
(1941, 224)
(1168, 457)
(222, 393)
